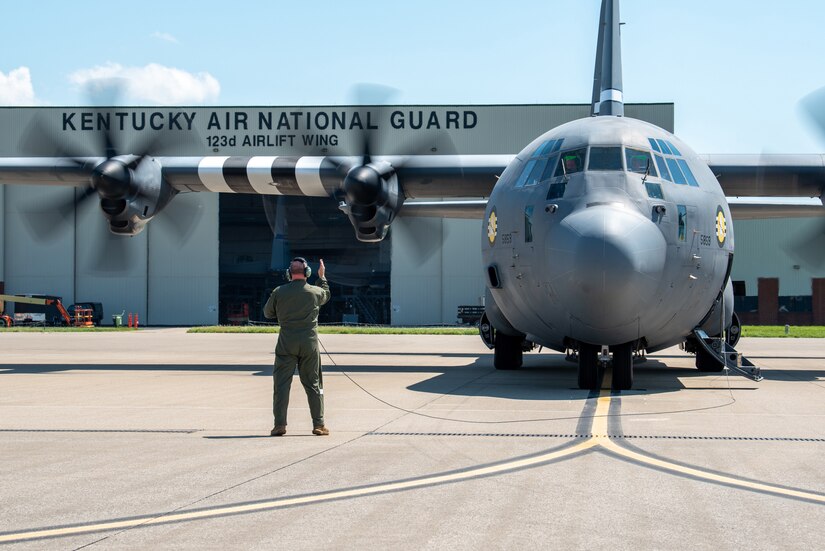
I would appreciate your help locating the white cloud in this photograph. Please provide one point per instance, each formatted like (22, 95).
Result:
(152, 83)
(16, 87)
(166, 37)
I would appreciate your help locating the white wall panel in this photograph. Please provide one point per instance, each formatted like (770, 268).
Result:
(183, 262)
(783, 248)
(39, 242)
(111, 269)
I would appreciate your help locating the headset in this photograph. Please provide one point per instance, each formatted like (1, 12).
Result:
(307, 269)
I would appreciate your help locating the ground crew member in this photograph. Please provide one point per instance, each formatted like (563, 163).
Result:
(296, 306)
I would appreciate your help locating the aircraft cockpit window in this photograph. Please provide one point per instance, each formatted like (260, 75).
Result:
(536, 174)
(673, 148)
(548, 147)
(676, 172)
(571, 162)
(640, 162)
(654, 145)
(528, 168)
(660, 162)
(556, 191)
(654, 191)
(549, 168)
(605, 158)
(665, 147)
(691, 179)
(528, 224)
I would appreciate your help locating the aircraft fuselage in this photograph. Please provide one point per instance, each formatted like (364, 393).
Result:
(607, 231)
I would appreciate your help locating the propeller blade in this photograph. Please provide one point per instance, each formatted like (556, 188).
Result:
(61, 212)
(813, 105)
(112, 255)
(41, 141)
(809, 248)
(181, 216)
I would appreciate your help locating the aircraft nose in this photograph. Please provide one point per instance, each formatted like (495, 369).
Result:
(606, 263)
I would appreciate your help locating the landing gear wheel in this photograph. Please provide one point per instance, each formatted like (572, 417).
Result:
(590, 372)
(622, 367)
(706, 362)
(734, 331)
(508, 353)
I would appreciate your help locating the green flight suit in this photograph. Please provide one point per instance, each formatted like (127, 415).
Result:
(296, 306)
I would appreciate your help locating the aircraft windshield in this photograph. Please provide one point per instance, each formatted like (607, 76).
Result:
(571, 162)
(605, 158)
(640, 162)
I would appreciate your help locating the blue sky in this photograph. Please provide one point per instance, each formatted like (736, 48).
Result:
(736, 72)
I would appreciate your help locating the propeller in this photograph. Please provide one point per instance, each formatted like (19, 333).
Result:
(809, 248)
(370, 193)
(118, 177)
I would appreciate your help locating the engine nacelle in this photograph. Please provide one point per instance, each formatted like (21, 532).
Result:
(371, 199)
(129, 207)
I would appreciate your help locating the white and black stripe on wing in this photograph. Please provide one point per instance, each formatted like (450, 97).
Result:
(317, 176)
(263, 175)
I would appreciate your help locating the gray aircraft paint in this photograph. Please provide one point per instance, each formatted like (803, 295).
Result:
(655, 286)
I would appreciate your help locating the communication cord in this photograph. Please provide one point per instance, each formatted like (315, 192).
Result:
(534, 420)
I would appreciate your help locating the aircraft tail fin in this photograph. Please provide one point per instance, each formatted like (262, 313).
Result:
(607, 75)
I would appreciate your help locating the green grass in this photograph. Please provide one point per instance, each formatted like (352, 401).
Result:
(342, 330)
(778, 331)
(41, 329)
(795, 331)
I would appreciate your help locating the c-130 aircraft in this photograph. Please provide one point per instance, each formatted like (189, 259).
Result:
(606, 237)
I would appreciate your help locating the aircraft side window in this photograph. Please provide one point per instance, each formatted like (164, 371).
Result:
(571, 162)
(535, 174)
(549, 168)
(664, 146)
(660, 162)
(544, 148)
(691, 179)
(528, 224)
(673, 148)
(654, 191)
(654, 145)
(556, 191)
(528, 168)
(676, 172)
(640, 162)
(605, 158)
(682, 222)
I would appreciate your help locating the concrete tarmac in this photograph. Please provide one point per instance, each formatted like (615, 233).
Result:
(159, 439)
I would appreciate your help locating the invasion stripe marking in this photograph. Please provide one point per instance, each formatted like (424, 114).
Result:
(234, 172)
(259, 173)
(210, 172)
(308, 175)
(283, 174)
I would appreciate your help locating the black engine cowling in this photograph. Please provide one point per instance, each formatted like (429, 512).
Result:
(371, 198)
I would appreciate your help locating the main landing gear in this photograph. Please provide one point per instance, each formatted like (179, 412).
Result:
(593, 359)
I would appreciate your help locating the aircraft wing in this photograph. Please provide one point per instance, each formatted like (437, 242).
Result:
(419, 175)
(769, 175)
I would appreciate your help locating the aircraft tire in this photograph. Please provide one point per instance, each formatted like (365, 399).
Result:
(706, 363)
(622, 367)
(507, 353)
(589, 369)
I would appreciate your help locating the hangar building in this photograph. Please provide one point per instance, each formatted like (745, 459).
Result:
(213, 258)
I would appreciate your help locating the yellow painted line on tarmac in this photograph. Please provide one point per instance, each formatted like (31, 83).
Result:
(600, 433)
(305, 500)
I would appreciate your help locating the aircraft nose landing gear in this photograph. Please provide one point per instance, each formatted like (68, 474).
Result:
(593, 360)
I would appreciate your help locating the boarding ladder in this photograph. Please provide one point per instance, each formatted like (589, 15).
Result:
(727, 355)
